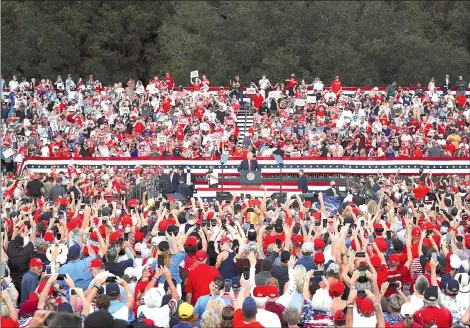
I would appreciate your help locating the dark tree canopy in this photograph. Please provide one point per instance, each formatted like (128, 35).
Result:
(367, 43)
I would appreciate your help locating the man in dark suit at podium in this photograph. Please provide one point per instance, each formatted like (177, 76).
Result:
(249, 164)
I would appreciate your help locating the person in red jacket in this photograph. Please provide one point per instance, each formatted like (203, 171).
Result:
(257, 101)
(291, 84)
(170, 83)
(336, 85)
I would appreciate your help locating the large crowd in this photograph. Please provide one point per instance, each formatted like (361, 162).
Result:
(78, 118)
(78, 252)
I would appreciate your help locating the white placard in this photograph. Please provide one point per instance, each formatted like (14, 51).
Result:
(124, 110)
(251, 91)
(312, 99)
(295, 154)
(161, 139)
(9, 152)
(194, 74)
(274, 94)
(54, 125)
(299, 102)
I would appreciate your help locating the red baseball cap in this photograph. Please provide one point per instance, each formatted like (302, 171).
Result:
(273, 291)
(416, 232)
(163, 225)
(366, 306)
(337, 289)
(201, 255)
(319, 244)
(35, 262)
(376, 261)
(225, 239)
(308, 204)
(298, 239)
(381, 244)
(191, 241)
(260, 291)
(49, 237)
(394, 258)
(428, 226)
(96, 263)
(319, 258)
(340, 316)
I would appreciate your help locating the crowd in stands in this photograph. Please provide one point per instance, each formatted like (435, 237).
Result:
(78, 253)
(78, 118)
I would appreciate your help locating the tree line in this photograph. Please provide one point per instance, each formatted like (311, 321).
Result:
(366, 43)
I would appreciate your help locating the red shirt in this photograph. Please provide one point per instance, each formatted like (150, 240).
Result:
(271, 239)
(336, 86)
(199, 279)
(169, 82)
(443, 316)
(402, 273)
(239, 322)
(401, 324)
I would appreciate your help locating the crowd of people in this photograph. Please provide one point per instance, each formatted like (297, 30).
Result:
(78, 118)
(78, 253)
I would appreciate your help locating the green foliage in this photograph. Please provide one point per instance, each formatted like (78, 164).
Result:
(367, 43)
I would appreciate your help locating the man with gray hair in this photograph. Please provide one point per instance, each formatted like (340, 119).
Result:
(291, 317)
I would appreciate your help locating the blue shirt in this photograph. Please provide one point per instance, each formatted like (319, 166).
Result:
(307, 262)
(29, 283)
(79, 272)
(183, 325)
(174, 267)
(201, 306)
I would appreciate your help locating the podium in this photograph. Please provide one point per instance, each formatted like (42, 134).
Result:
(250, 178)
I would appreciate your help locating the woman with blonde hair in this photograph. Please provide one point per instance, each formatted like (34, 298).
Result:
(210, 319)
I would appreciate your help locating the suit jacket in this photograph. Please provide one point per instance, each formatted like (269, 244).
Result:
(175, 180)
(183, 190)
(245, 167)
(330, 192)
(169, 188)
(302, 184)
(57, 191)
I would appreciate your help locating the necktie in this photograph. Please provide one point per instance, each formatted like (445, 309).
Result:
(249, 165)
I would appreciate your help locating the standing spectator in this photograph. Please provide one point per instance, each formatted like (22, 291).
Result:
(336, 85)
(265, 86)
(13, 84)
(20, 254)
(292, 83)
(200, 276)
(35, 187)
(302, 182)
(170, 83)
(225, 259)
(446, 85)
(58, 190)
(183, 189)
(30, 280)
(69, 84)
(461, 85)
(265, 274)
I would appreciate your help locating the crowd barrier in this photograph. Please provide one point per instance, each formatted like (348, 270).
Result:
(340, 165)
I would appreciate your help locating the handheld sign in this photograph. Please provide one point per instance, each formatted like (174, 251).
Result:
(194, 74)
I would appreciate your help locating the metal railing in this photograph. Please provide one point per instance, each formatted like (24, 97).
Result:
(153, 186)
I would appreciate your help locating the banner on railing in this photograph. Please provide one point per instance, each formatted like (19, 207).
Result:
(360, 165)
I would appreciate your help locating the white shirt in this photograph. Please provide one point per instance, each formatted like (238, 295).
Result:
(213, 180)
(160, 316)
(268, 319)
(263, 83)
(13, 85)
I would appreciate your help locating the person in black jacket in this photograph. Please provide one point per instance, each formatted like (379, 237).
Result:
(183, 189)
(333, 190)
(302, 182)
(169, 188)
(35, 186)
(84, 152)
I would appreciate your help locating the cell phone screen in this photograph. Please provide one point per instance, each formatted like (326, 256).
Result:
(61, 276)
(58, 236)
(324, 223)
(227, 285)
(360, 254)
(278, 243)
(161, 261)
(434, 256)
(246, 272)
(126, 236)
(48, 270)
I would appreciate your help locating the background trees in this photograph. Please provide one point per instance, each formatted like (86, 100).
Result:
(367, 43)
